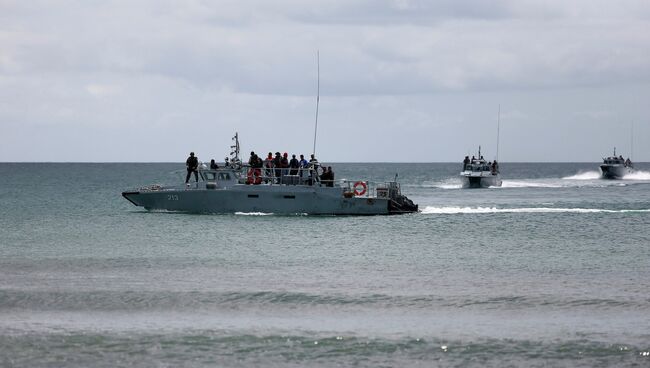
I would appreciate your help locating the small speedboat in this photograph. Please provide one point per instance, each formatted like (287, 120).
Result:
(478, 173)
(615, 167)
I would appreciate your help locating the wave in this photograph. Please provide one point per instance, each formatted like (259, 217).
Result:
(480, 210)
(530, 184)
(253, 214)
(449, 183)
(595, 175)
(587, 178)
(638, 175)
(210, 347)
(584, 175)
(133, 301)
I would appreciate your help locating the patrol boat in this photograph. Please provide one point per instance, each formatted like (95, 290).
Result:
(615, 167)
(478, 174)
(238, 188)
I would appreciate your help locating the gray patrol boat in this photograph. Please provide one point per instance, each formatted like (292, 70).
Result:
(477, 173)
(615, 167)
(238, 188)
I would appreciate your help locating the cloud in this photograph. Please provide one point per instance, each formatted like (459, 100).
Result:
(384, 47)
(424, 67)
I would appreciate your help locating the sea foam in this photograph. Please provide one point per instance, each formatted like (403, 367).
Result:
(584, 175)
(480, 210)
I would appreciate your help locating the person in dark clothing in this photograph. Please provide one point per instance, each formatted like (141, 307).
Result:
(313, 161)
(252, 160)
(323, 176)
(277, 164)
(327, 177)
(294, 164)
(465, 162)
(192, 164)
(285, 164)
(213, 165)
(330, 177)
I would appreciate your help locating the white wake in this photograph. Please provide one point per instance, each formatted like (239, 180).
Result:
(584, 175)
(480, 210)
(530, 184)
(638, 175)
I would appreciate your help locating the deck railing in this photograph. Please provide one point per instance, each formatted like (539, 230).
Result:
(303, 177)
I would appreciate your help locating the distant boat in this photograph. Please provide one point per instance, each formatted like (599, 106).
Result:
(477, 173)
(615, 167)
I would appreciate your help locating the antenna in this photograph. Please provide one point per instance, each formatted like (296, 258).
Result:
(317, 97)
(632, 141)
(234, 151)
(498, 128)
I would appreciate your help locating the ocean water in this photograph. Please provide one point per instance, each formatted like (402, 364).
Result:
(550, 270)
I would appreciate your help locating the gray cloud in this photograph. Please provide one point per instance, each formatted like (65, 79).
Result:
(77, 69)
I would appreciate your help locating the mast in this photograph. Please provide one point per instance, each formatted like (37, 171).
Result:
(632, 142)
(234, 151)
(498, 128)
(317, 97)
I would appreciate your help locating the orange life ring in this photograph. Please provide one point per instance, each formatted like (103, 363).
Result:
(363, 190)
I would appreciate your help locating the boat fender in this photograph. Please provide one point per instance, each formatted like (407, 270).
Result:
(360, 188)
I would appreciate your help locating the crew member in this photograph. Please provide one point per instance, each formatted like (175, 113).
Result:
(192, 164)
(294, 164)
(268, 164)
(277, 164)
(330, 177)
(313, 167)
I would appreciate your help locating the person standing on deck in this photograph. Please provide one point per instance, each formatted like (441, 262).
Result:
(303, 162)
(192, 164)
(277, 164)
(313, 169)
(294, 164)
(285, 164)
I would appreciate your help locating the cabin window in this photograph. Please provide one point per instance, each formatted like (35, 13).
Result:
(253, 196)
(290, 197)
(208, 176)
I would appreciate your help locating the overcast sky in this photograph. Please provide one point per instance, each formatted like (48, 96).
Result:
(400, 80)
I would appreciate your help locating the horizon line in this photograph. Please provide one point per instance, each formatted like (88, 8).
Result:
(332, 162)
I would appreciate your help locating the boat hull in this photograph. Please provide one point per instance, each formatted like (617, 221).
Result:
(260, 199)
(614, 171)
(480, 181)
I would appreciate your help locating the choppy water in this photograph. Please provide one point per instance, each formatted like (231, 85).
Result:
(552, 269)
